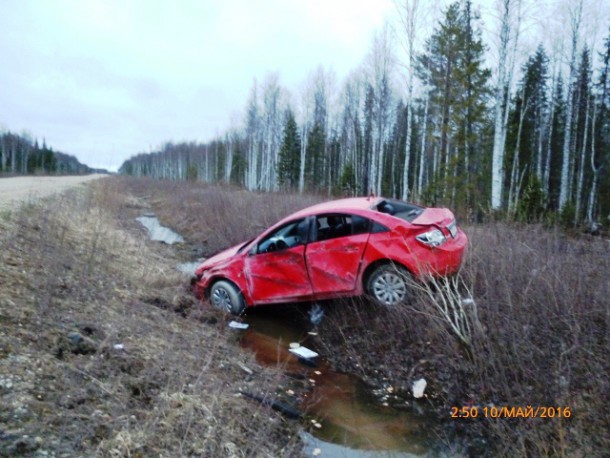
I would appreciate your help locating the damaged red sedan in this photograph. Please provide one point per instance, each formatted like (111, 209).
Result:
(342, 248)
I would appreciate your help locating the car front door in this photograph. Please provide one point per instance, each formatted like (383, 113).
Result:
(334, 254)
(275, 269)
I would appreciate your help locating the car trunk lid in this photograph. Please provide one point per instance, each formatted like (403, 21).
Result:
(439, 217)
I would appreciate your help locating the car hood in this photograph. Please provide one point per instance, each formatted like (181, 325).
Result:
(434, 216)
(218, 259)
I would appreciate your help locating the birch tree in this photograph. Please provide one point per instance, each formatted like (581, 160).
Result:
(508, 32)
(575, 21)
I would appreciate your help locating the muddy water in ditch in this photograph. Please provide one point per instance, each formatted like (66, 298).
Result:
(343, 416)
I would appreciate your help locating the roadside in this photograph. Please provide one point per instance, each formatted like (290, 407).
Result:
(103, 350)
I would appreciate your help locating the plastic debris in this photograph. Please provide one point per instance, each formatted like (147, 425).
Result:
(294, 345)
(118, 346)
(418, 388)
(304, 352)
(237, 325)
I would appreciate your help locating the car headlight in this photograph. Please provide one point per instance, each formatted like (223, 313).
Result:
(432, 238)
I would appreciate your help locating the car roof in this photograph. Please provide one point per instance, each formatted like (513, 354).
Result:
(339, 205)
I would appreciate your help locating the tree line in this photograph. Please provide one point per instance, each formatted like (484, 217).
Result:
(533, 144)
(20, 155)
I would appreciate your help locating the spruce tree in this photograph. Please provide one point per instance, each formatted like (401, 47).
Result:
(289, 161)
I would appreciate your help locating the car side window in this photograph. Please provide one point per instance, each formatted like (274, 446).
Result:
(287, 236)
(331, 226)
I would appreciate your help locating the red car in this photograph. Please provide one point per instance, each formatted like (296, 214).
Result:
(336, 249)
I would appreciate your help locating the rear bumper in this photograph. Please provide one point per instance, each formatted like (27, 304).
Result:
(448, 258)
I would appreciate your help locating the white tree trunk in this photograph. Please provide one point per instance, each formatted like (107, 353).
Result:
(567, 139)
(581, 169)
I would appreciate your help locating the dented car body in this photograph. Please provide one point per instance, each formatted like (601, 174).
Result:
(342, 248)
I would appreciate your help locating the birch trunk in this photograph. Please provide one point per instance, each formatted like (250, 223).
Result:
(566, 156)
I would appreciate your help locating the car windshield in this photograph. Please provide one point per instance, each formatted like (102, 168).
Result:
(399, 209)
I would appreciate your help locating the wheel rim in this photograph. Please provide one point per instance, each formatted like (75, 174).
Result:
(221, 299)
(389, 288)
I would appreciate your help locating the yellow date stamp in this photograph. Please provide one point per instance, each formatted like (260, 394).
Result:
(511, 412)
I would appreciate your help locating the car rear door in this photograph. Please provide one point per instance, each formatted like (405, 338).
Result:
(275, 270)
(334, 254)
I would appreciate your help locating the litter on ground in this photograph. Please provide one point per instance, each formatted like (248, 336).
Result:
(304, 352)
(237, 325)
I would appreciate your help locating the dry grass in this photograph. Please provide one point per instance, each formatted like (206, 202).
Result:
(74, 285)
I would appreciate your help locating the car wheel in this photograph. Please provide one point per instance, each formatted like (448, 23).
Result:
(389, 285)
(225, 296)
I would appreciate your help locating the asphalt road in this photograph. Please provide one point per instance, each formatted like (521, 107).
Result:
(18, 189)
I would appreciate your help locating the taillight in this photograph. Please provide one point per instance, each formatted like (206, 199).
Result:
(432, 238)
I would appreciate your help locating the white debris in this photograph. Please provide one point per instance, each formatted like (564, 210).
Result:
(418, 388)
(237, 325)
(118, 346)
(295, 345)
(468, 301)
(304, 352)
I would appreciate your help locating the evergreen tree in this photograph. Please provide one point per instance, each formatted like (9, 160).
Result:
(453, 67)
(290, 154)
(600, 162)
(525, 140)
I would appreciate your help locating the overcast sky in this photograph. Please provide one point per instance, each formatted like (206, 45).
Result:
(106, 79)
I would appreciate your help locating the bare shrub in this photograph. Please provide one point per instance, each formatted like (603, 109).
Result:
(449, 299)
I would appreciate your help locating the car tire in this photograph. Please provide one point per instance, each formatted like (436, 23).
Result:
(389, 285)
(226, 296)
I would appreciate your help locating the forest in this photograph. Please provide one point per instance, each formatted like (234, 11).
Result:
(529, 140)
(20, 155)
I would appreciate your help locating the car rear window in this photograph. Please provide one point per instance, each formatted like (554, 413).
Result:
(400, 209)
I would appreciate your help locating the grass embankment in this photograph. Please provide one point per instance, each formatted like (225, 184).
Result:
(96, 357)
(536, 332)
